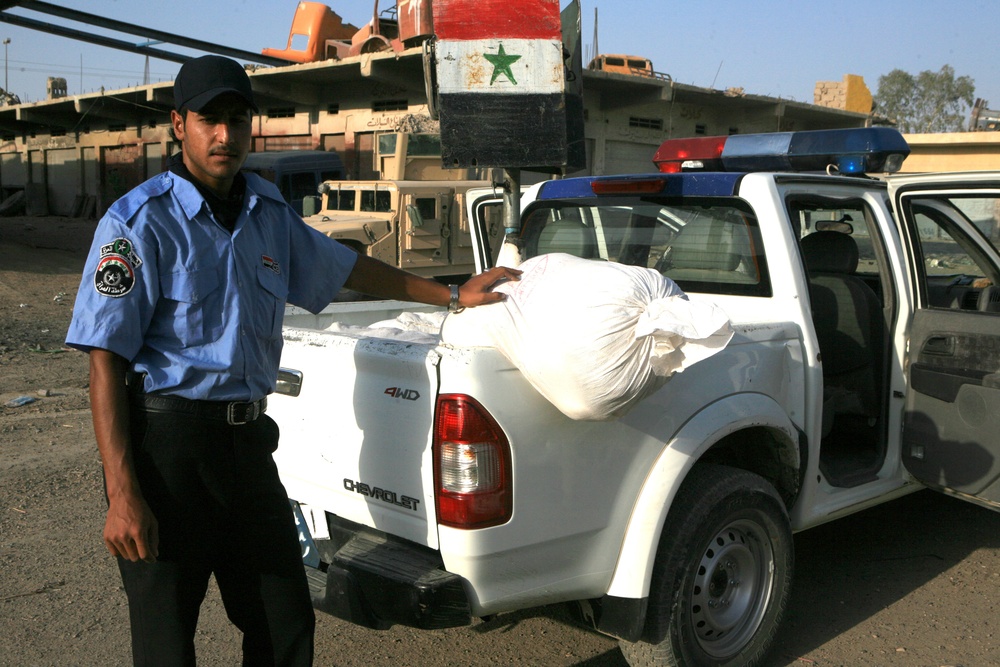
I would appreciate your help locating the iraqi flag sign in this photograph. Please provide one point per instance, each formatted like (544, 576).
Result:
(500, 79)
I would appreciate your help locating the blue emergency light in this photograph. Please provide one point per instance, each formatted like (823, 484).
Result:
(714, 184)
(848, 151)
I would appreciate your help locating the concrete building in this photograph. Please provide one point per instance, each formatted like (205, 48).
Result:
(75, 155)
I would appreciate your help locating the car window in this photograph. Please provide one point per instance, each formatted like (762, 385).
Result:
(947, 233)
(341, 200)
(704, 246)
(303, 184)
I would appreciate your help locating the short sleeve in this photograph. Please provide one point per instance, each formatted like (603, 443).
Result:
(118, 291)
(319, 268)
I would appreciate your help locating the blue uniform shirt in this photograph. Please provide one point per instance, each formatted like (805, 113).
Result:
(199, 310)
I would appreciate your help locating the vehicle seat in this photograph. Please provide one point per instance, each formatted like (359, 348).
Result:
(316, 23)
(706, 254)
(568, 236)
(849, 324)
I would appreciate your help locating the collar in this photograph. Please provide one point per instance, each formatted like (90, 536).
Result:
(225, 209)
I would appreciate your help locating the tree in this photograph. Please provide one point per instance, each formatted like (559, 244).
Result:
(927, 103)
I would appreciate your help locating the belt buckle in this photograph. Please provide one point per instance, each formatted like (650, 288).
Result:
(250, 412)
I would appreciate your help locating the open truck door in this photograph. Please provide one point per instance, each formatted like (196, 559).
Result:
(951, 425)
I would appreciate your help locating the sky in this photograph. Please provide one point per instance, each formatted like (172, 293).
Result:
(777, 48)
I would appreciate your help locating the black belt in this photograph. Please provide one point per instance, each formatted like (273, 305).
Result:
(235, 413)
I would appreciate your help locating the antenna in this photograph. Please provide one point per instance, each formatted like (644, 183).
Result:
(717, 73)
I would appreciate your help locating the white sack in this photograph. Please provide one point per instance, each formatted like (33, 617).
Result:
(593, 337)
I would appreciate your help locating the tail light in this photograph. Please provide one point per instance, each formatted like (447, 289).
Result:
(629, 186)
(472, 477)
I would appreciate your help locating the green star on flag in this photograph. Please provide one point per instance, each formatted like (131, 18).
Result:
(501, 64)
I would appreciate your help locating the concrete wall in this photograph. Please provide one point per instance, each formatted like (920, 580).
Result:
(955, 151)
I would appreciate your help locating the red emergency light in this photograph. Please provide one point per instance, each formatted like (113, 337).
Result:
(703, 153)
(847, 151)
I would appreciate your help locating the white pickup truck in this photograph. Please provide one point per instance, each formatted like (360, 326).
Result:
(434, 485)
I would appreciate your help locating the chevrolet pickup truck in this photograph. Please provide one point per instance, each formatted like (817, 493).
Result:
(433, 485)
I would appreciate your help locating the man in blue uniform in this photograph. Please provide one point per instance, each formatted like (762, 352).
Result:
(180, 310)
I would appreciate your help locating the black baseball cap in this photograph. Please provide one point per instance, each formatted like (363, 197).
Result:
(203, 79)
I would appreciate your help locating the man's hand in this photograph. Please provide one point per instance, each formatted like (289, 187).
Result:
(478, 290)
(376, 278)
(131, 531)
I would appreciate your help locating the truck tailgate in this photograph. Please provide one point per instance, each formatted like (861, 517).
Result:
(356, 441)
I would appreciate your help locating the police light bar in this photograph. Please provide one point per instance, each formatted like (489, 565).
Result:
(849, 151)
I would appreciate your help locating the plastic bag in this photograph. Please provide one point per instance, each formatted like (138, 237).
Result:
(411, 327)
(593, 337)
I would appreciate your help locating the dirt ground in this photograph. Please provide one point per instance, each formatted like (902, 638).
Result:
(910, 583)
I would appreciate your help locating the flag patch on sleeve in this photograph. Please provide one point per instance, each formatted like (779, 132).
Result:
(115, 275)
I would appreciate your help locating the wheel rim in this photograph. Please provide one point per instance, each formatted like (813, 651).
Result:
(732, 587)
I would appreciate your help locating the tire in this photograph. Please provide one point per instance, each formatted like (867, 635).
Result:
(722, 575)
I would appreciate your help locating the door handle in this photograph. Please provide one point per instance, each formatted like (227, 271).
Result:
(939, 345)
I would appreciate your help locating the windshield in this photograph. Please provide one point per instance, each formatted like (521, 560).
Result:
(704, 245)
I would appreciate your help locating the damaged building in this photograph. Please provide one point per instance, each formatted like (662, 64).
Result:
(335, 87)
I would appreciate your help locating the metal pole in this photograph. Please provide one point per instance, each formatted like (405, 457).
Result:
(511, 202)
(511, 248)
(6, 41)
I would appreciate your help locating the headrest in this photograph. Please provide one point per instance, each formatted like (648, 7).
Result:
(693, 250)
(568, 237)
(829, 252)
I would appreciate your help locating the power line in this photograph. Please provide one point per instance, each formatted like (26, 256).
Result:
(124, 74)
(75, 69)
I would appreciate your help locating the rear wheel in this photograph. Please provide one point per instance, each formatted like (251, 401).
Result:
(722, 575)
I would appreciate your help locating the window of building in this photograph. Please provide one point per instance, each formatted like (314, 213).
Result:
(646, 123)
(390, 105)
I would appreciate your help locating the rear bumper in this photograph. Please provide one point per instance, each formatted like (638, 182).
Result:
(376, 581)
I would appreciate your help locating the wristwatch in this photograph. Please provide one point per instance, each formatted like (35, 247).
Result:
(453, 306)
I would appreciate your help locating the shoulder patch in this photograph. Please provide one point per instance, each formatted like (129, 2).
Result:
(115, 275)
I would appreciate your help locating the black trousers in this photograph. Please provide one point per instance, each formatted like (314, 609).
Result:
(222, 510)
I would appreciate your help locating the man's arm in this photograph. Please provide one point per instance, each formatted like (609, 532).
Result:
(130, 529)
(376, 278)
